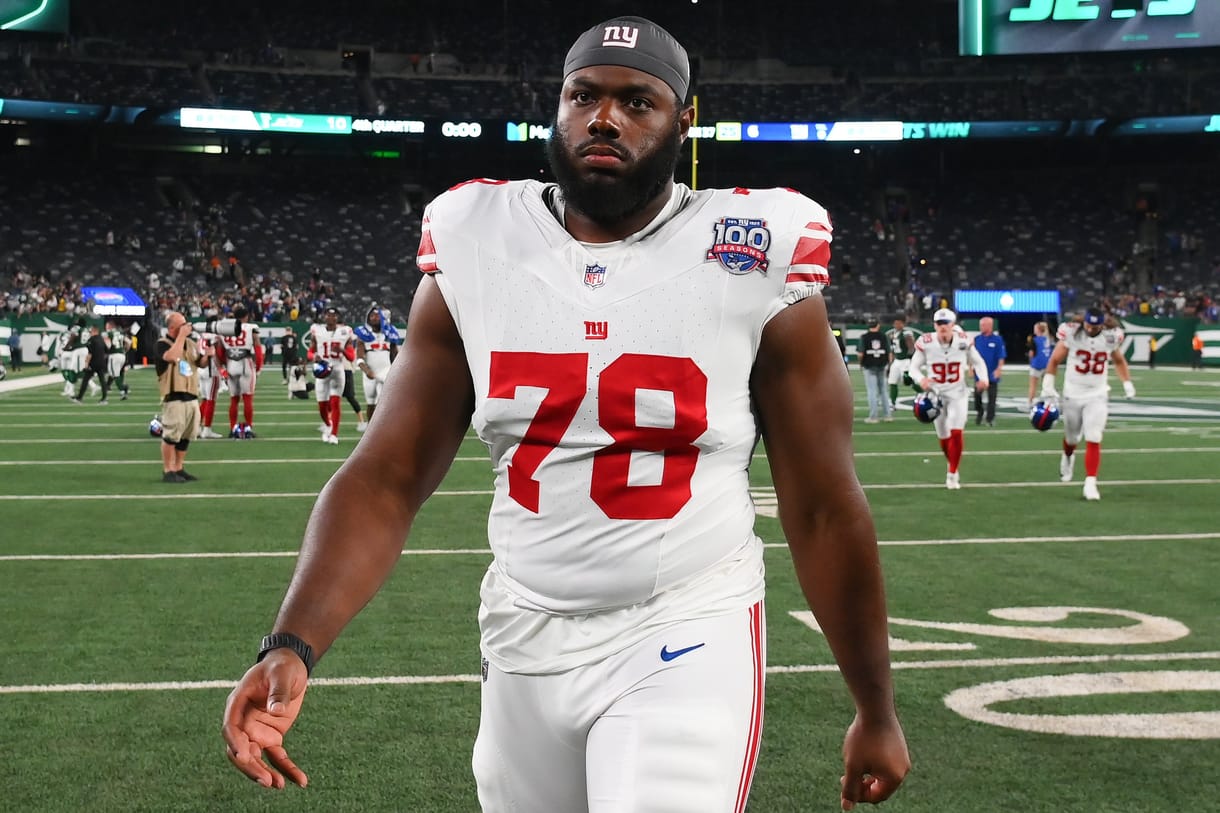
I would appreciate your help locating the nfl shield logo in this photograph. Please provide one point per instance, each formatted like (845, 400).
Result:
(595, 275)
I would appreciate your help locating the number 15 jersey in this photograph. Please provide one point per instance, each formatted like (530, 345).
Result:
(612, 380)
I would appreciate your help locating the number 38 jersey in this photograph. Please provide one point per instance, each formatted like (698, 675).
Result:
(1088, 359)
(612, 381)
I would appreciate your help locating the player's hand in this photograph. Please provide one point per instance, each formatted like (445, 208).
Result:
(875, 761)
(1048, 388)
(981, 386)
(1129, 389)
(925, 384)
(258, 714)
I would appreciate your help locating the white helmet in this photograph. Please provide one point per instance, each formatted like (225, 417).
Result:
(944, 315)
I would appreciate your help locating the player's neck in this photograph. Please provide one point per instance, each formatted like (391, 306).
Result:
(585, 230)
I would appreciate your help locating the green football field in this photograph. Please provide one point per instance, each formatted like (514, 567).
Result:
(1050, 654)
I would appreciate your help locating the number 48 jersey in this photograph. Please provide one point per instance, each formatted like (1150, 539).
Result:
(1088, 359)
(612, 380)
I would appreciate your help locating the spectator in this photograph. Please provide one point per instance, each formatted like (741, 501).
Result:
(14, 349)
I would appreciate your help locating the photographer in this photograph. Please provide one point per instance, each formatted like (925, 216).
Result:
(177, 359)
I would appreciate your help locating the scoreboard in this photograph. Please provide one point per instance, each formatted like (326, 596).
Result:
(996, 27)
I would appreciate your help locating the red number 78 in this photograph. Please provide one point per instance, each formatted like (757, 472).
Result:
(564, 376)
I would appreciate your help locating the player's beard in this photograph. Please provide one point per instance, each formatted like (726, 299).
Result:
(608, 199)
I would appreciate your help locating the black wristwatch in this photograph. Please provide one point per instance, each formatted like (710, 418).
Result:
(286, 640)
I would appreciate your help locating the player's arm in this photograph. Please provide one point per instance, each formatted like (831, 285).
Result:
(804, 399)
(361, 364)
(1123, 370)
(1058, 356)
(915, 369)
(357, 529)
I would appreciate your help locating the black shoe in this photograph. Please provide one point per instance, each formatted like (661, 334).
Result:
(172, 477)
(978, 420)
(187, 476)
(990, 422)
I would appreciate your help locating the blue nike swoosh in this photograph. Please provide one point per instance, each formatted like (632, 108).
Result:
(667, 656)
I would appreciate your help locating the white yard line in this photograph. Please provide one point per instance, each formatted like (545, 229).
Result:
(421, 680)
(285, 554)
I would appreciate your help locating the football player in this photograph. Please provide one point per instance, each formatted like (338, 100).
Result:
(116, 360)
(376, 348)
(940, 365)
(1087, 346)
(243, 354)
(620, 343)
(332, 343)
(902, 347)
(210, 376)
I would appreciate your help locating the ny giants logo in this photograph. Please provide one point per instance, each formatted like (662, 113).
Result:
(597, 331)
(741, 244)
(620, 36)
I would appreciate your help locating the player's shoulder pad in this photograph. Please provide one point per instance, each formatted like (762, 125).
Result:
(1067, 329)
(796, 209)
(466, 200)
(925, 340)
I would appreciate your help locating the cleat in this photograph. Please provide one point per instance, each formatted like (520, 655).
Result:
(326, 436)
(1066, 464)
(248, 433)
(76, 400)
(210, 434)
(235, 433)
(360, 427)
(103, 402)
(172, 477)
(187, 476)
(953, 481)
(333, 440)
(324, 428)
(1090, 489)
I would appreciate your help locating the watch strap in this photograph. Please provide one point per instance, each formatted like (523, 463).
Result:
(286, 640)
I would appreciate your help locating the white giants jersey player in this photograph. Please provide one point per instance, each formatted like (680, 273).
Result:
(241, 350)
(330, 346)
(613, 385)
(1088, 360)
(947, 365)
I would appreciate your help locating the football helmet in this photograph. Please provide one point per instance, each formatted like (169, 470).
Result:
(321, 368)
(154, 426)
(1043, 415)
(927, 407)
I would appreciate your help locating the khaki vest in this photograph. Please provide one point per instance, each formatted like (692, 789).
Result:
(172, 380)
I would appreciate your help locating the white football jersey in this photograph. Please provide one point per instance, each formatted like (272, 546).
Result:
(329, 344)
(377, 353)
(241, 346)
(950, 365)
(612, 381)
(1088, 359)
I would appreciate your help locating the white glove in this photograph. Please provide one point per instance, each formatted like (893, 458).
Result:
(1048, 387)
(1129, 389)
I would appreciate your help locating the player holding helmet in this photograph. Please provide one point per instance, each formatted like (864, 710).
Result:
(376, 347)
(1088, 346)
(330, 342)
(939, 366)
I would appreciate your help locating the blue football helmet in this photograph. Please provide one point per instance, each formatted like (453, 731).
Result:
(321, 368)
(154, 426)
(1043, 415)
(927, 407)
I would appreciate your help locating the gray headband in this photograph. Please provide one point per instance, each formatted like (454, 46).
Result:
(632, 42)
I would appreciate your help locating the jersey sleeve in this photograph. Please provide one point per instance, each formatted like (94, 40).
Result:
(807, 272)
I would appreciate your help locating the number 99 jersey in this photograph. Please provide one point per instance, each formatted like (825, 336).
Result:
(1088, 359)
(612, 381)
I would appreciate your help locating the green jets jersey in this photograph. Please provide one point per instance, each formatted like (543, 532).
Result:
(902, 342)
